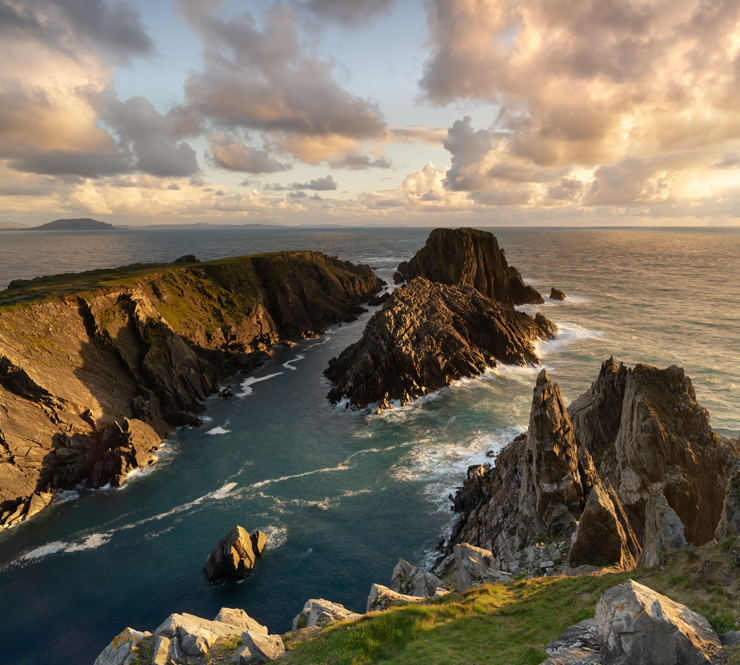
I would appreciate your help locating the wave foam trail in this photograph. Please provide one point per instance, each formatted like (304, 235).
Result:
(568, 333)
(289, 364)
(218, 430)
(248, 383)
(278, 536)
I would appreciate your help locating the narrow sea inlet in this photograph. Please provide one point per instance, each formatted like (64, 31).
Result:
(343, 494)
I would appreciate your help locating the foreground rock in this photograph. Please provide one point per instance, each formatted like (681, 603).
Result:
(426, 336)
(105, 365)
(409, 580)
(584, 485)
(468, 257)
(319, 612)
(185, 639)
(637, 625)
(381, 598)
(235, 554)
(729, 523)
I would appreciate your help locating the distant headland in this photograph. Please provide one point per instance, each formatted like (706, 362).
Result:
(84, 224)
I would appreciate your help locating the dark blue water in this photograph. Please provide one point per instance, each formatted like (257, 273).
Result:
(342, 494)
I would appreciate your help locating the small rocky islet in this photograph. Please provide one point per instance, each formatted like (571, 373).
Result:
(629, 475)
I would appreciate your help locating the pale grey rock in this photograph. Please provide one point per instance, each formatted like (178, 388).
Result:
(445, 565)
(408, 579)
(381, 598)
(730, 639)
(122, 650)
(318, 612)
(577, 656)
(637, 625)
(163, 650)
(258, 648)
(581, 635)
(664, 531)
(240, 619)
(470, 564)
(182, 625)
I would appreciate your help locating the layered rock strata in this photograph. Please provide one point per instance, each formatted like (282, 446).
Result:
(585, 477)
(426, 336)
(97, 368)
(468, 257)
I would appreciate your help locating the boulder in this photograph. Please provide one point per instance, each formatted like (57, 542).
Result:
(471, 563)
(604, 533)
(552, 494)
(234, 555)
(664, 531)
(409, 580)
(259, 648)
(577, 656)
(583, 635)
(319, 612)
(381, 598)
(636, 625)
(730, 639)
(123, 650)
(164, 651)
(729, 522)
(468, 257)
(427, 336)
(239, 619)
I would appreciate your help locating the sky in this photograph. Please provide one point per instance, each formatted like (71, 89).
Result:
(380, 112)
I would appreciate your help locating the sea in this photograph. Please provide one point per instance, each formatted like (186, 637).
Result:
(342, 494)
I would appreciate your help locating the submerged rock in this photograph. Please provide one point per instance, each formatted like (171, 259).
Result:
(426, 336)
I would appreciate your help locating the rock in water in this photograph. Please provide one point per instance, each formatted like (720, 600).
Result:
(636, 625)
(468, 257)
(664, 531)
(426, 336)
(234, 555)
(556, 294)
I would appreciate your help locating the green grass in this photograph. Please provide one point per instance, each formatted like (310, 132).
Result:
(511, 624)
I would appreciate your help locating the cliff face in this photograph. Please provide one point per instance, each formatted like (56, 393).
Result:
(650, 441)
(467, 257)
(426, 336)
(91, 381)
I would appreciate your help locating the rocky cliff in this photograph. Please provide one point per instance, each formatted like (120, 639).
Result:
(630, 465)
(468, 257)
(96, 368)
(428, 335)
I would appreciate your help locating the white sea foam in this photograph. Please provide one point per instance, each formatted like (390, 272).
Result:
(218, 430)
(568, 333)
(326, 338)
(248, 383)
(45, 550)
(278, 536)
(90, 543)
(289, 364)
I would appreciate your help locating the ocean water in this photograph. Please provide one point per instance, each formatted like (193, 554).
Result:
(342, 494)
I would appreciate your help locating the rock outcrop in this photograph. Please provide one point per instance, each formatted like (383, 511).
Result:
(97, 368)
(638, 625)
(468, 257)
(547, 499)
(381, 598)
(556, 294)
(729, 523)
(426, 336)
(185, 639)
(411, 581)
(319, 612)
(235, 554)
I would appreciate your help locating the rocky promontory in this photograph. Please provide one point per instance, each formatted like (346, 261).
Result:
(454, 318)
(630, 470)
(97, 368)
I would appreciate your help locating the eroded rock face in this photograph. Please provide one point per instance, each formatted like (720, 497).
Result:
(729, 523)
(234, 555)
(381, 598)
(638, 625)
(664, 531)
(468, 257)
(319, 612)
(409, 580)
(426, 336)
(90, 384)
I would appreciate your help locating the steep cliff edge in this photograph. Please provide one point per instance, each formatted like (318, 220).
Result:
(96, 368)
(468, 257)
(585, 477)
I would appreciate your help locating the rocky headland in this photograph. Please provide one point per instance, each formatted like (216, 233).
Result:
(97, 368)
(629, 471)
(454, 318)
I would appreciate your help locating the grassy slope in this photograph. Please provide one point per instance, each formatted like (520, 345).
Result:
(512, 624)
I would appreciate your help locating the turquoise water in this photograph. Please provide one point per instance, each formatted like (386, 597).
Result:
(343, 494)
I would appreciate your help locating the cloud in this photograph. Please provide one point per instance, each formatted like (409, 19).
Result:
(324, 184)
(359, 162)
(585, 92)
(346, 12)
(261, 79)
(232, 154)
(424, 135)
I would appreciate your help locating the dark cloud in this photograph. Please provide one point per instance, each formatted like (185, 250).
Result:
(346, 12)
(355, 162)
(324, 184)
(297, 195)
(173, 186)
(232, 154)
(468, 148)
(63, 163)
(115, 28)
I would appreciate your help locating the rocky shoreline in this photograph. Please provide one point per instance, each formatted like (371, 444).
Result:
(96, 369)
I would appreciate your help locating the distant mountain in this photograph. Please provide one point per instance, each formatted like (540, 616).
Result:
(12, 225)
(85, 224)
